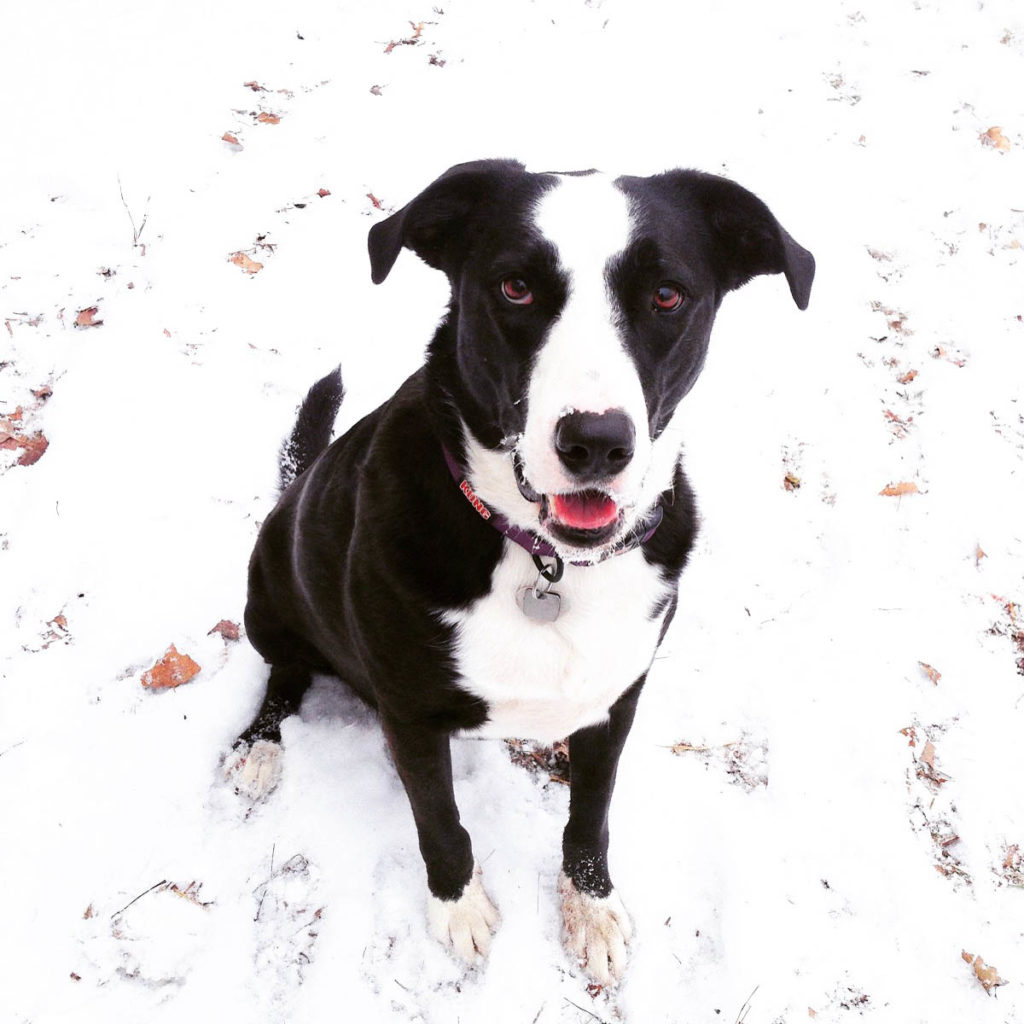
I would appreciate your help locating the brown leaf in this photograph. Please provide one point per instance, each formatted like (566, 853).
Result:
(377, 204)
(791, 482)
(33, 447)
(227, 629)
(172, 670)
(898, 490)
(249, 265)
(87, 317)
(264, 118)
(907, 377)
(995, 138)
(323, 193)
(231, 139)
(985, 973)
(928, 754)
(932, 673)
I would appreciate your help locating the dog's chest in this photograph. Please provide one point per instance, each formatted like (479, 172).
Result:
(545, 680)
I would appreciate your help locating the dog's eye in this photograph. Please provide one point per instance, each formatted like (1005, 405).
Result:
(667, 298)
(516, 290)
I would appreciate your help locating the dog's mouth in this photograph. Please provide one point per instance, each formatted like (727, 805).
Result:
(582, 519)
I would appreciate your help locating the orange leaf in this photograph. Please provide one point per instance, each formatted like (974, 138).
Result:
(87, 317)
(227, 629)
(264, 118)
(907, 377)
(995, 138)
(232, 139)
(985, 973)
(898, 490)
(250, 266)
(33, 448)
(171, 670)
(928, 754)
(932, 673)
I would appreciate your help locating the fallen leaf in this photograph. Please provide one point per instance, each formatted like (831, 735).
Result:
(249, 265)
(33, 447)
(978, 554)
(231, 139)
(323, 193)
(255, 86)
(376, 202)
(928, 754)
(227, 629)
(264, 118)
(907, 377)
(995, 138)
(985, 973)
(87, 317)
(932, 673)
(898, 490)
(172, 670)
(791, 482)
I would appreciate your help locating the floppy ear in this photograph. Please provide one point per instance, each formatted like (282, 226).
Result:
(746, 239)
(435, 223)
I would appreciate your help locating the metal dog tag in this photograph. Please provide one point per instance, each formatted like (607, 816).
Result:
(540, 605)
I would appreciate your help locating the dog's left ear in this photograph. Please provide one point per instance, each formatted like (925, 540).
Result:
(745, 238)
(435, 224)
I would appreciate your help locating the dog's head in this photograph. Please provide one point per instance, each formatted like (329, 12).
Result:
(580, 316)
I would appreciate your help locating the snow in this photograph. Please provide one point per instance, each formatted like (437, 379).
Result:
(805, 614)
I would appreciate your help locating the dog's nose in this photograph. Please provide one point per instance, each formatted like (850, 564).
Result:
(594, 445)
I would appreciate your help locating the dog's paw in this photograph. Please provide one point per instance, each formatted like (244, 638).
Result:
(254, 770)
(596, 931)
(465, 925)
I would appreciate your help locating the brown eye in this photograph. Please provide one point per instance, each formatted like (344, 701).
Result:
(516, 290)
(667, 298)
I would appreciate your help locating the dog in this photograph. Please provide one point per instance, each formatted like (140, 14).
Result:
(495, 551)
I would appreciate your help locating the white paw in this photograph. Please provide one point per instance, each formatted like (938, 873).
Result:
(254, 771)
(464, 925)
(596, 931)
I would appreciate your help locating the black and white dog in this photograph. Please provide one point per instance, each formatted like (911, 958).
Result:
(494, 552)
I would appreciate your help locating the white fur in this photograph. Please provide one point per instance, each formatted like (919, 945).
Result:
(596, 931)
(582, 365)
(464, 925)
(256, 771)
(546, 680)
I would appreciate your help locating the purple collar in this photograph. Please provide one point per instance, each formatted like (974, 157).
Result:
(537, 546)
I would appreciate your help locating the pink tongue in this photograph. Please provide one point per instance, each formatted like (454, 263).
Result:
(586, 511)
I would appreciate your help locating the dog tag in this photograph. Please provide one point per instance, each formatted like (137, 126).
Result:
(540, 605)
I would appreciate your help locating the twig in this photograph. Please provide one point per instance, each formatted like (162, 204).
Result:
(136, 231)
(745, 1008)
(583, 1009)
(162, 881)
(259, 909)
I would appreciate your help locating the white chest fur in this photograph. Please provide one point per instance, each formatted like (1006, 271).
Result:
(544, 681)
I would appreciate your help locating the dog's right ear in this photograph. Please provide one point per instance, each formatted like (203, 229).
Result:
(435, 223)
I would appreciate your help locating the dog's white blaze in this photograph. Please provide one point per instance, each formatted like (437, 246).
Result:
(544, 681)
(582, 365)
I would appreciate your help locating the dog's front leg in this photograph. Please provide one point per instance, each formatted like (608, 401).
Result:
(596, 924)
(461, 915)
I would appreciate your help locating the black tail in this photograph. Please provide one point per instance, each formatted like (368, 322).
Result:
(313, 427)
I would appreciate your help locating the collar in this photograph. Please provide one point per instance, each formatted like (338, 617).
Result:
(537, 546)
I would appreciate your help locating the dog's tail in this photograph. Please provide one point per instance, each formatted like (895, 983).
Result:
(313, 426)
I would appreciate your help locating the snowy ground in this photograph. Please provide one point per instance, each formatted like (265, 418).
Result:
(819, 812)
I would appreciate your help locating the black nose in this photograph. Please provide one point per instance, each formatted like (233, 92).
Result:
(595, 445)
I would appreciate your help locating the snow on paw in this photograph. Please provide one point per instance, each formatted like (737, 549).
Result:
(254, 771)
(596, 931)
(465, 925)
